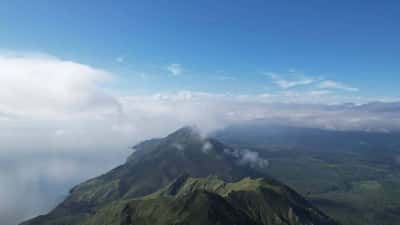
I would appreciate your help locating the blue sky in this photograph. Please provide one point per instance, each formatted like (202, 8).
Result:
(219, 46)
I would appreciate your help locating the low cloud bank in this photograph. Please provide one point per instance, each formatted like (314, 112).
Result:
(30, 186)
(49, 103)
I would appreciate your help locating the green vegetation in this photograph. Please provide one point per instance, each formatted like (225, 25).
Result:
(203, 201)
(353, 189)
(183, 179)
(352, 176)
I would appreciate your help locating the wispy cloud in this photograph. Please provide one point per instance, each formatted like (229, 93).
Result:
(120, 59)
(315, 82)
(175, 69)
(225, 78)
(286, 84)
(330, 84)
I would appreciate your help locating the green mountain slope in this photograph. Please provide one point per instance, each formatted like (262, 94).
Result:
(203, 201)
(108, 199)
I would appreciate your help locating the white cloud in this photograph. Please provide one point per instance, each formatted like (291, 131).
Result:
(225, 78)
(178, 146)
(120, 59)
(252, 159)
(309, 108)
(59, 132)
(207, 147)
(305, 81)
(286, 84)
(175, 69)
(319, 92)
(330, 84)
(50, 88)
(247, 158)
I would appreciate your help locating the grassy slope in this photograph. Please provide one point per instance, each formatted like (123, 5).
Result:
(204, 201)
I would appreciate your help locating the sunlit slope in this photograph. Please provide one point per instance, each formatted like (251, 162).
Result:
(117, 196)
(203, 201)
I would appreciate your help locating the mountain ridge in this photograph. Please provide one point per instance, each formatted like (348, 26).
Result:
(153, 165)
(203, 201)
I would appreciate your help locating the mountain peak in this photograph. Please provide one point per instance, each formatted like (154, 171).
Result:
(211, 200)
(186, 132)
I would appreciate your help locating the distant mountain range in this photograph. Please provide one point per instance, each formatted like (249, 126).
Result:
(184, 179)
